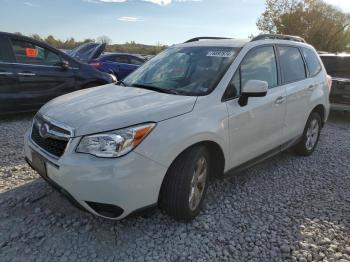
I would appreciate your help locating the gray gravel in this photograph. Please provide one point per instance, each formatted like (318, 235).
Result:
(286, 208)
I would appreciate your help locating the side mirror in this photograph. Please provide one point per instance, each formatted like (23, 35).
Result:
(253, 88)
(65, 64)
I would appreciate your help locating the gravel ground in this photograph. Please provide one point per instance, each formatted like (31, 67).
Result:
(286, 208)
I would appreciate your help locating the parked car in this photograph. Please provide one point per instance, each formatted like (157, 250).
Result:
(198, 110)
(32, 73)
(338, 66)
(147, 57)
(121, 65)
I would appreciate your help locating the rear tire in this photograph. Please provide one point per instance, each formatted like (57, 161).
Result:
(185, 184)
(310, 135)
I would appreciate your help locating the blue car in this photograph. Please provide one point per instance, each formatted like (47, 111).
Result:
(118, 64)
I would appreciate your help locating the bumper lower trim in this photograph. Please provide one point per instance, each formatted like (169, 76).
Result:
(106, 210)
(58, 188)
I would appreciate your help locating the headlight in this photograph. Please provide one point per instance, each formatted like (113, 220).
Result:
(115, 143)
(113, 77)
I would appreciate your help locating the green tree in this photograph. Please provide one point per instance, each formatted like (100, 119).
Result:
(36, 37)
(320, 24)
(52, 41)
(104, 40)
(131, 47)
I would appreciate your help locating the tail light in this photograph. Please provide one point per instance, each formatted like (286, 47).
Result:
(96, 65)
(329, 82)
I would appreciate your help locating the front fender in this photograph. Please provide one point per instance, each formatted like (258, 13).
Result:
(172, 136)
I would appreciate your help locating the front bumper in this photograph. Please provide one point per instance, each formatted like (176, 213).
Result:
(130, 183)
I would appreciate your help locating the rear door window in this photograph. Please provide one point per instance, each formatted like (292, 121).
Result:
(135, 61)
(29, 53)
(312, 61)
(292, 64)
(120, 59)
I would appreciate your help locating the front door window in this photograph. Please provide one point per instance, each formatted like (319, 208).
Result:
(28, 53)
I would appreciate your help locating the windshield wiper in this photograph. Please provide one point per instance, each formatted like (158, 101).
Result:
(120, 82)
(157, 89)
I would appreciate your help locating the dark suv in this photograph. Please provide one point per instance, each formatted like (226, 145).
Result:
(338, 66)
(32, 73)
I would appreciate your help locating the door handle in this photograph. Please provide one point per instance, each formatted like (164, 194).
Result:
(279, 100)
(311, 87)
(26, 74)
(6, 73)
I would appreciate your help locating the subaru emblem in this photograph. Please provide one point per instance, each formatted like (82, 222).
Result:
(44, 130)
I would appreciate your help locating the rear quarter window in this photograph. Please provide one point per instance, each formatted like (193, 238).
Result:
(312, 61)
(5, 51)
(3, 55)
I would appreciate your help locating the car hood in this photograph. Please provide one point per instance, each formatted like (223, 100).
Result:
(87, 52)
(113, 107)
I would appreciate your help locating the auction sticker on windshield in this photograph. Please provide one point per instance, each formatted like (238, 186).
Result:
(219, 53)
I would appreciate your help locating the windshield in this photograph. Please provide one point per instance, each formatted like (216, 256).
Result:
(184, 70)
(337, 66)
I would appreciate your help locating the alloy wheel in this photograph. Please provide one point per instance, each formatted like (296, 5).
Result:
(312, 134)
(198, 183)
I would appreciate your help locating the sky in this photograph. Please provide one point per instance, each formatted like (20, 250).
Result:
(143, 21)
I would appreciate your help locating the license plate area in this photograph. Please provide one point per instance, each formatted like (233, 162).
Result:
(39, 164)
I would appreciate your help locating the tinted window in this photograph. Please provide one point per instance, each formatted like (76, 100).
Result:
(5, 53)
(28, 53)
(312, 61)
(292, 64)
(119, 59)
(135, 61)
(4, 56)
(260, 64)
(337, 66)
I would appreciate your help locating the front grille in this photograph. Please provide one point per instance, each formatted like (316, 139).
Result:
(53, 146)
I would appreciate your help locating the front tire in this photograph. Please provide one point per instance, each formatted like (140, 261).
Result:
(310, 136)
(185, 184)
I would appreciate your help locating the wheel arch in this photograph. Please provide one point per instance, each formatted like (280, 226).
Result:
(321, 110)
(216, 154)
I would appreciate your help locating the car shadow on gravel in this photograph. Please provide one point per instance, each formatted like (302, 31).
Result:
(287, 207)
(12, 129)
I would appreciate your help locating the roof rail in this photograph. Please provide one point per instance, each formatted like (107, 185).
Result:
(206, 38)
(280, 37)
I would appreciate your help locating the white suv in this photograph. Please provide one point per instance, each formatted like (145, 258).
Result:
(202, 109)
